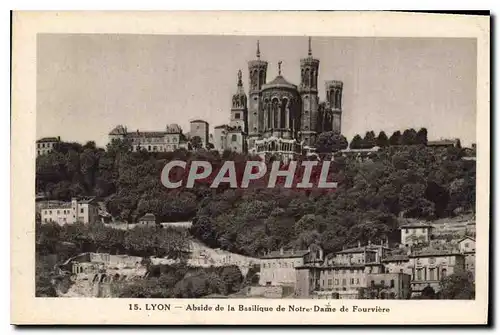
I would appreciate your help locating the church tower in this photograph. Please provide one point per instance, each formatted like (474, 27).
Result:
(309, 94)
(334, 102)
(239, 107)
(257, 69)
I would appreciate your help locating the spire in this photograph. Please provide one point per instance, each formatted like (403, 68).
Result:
(309, 53)
(279, 68)
(240, 82)
(258, 49)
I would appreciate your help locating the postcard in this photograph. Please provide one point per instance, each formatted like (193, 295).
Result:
(321, 168)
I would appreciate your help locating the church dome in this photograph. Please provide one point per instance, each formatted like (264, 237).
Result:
(279, 82)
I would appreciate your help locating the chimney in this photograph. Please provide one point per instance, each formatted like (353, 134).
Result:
(281, 251)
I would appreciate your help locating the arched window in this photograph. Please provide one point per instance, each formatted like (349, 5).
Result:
(269, 115)
(274, 112)
(283, 114)
(307, 78)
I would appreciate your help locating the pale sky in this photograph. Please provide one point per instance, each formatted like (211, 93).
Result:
(88, 84)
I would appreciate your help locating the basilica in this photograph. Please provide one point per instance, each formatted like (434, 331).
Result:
(278, 117)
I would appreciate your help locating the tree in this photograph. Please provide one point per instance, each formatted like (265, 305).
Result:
(196, 142)
(330, 141)
(458, 285)
(395, 138)
(369, 140)
(382, 140)
(409, 137)
(356, 143)
(422, 136)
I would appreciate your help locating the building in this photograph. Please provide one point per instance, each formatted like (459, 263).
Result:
(413, 233)
(467, 246)
(342, 275)
(82, 211)
(229, 138)
(388, 286)
(170, 139)
(278, 267)
(429, 266)
(444, 143)
(278, 117)
(148, 220)
(199, 128)
(46, 145)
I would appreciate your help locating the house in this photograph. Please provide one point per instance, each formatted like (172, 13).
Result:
(430, 265)
(342, 275)
(46, 145)
(467, 246)
(78, 210)
(413, 233)
(388, 286)
(278, 267)
(148, 220)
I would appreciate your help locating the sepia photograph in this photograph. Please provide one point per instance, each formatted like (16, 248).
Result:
(301, 168)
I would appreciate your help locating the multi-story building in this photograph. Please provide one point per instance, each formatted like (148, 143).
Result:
(200, 129)
(153, 141)
(46, 145)
(388, 286)
(82, 211)
(278, 267)
(229, 138)
(413, 233)
(342, 275)
(467, 246)
(429, 266)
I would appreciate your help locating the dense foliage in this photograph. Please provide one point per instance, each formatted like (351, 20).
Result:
(405, 178)
(143, 241)
(181, 281)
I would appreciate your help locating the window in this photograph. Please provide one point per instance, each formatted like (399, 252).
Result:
(466, 245)
(234, 138)
(81, 210)
(382, 283)
(419, 274)
(432, 274)
(352, 281)
(168, 140)
(357, 280)
(237, 116)
(58, 212)
(406, 231)
(50, 212)
(329, 282)
(336, 281)
(392, 283)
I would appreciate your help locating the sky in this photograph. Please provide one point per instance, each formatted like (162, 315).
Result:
(89, 83)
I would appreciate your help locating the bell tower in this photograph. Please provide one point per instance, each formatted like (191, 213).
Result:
(239, 106)
(334, 102)
(309, 95)
(257, 69)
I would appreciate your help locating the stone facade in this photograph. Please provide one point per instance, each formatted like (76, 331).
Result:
(46, 145)
(199, 128)
(170, 139)
(281, 118)
(84, 211)
(415, 233)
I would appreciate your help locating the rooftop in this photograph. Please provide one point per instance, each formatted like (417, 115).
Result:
(279, 82)
(357, 250)
(147, 134)
(286, 254)
(396, 258)
(48, 139)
